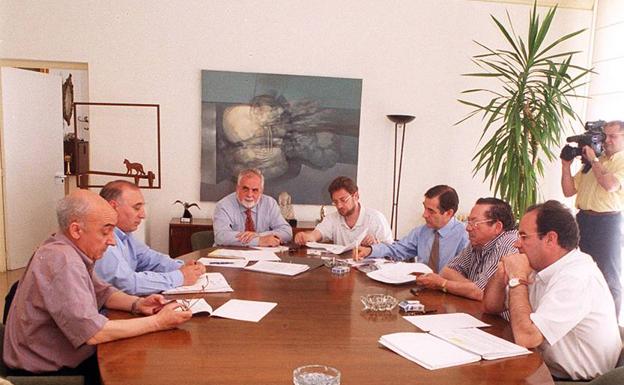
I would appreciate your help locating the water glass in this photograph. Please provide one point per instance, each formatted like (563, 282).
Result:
(316, 375)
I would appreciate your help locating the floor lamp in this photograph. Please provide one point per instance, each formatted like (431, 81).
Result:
(399, 121)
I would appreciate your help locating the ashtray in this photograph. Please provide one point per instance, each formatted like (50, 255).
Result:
(333, 261)
(378, 302)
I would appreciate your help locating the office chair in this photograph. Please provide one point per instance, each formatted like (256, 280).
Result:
(202, 240)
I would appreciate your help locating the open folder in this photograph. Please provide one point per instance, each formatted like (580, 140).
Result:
(444, 348)
(238, 309)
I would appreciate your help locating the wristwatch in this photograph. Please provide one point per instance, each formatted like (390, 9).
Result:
(513, 282)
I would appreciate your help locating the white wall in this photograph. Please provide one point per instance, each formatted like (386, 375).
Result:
(409, 53)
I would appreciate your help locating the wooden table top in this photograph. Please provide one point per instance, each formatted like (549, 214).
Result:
(318, 320)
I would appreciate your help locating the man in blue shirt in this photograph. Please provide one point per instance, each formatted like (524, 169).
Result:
(247, 217)
(440, 206)
(131, 265)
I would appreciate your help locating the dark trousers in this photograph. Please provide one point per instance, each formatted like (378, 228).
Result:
(600, 238)
(89, 369)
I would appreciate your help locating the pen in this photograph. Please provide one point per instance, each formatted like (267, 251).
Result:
(220, 263)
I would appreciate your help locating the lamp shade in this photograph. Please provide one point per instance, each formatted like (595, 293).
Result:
(401, 119)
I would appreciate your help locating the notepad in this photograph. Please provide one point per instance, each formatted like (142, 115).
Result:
(207, 283)
(278, 268)
(242, 310)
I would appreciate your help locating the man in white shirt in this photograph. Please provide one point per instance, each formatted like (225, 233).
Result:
(350, 220)
(558, 299)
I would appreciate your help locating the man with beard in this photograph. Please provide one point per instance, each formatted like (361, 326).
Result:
(436, 242)
(350, 220)
(247, 217)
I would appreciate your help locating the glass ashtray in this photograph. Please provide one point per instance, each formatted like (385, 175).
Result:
(378, 302)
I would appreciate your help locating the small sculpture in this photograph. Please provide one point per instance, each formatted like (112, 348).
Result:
(286, 208)
(187, 216)
(322, 214)
(137, 167)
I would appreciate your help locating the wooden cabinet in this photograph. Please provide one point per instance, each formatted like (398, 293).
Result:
(180, 233)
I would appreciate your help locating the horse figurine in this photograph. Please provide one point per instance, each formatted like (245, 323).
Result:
(137, 167)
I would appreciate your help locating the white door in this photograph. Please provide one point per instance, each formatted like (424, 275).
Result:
(32, 155)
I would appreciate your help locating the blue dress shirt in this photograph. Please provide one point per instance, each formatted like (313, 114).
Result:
(453, 239)
(136, 269)
(229, 220)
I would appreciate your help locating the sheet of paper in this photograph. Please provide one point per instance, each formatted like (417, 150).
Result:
(338, 249)
(223, 262)
(398, 273)
(243, 310)
(207, 283)
(250, 255)
(445, 321)
(281, 268)
(276, 249)
(426, 350)
(482, 343)
(196, 305)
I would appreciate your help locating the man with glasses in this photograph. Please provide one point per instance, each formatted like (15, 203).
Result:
(491, 233)
(558, 299)
(130, 265)
(436, 242)
(600, 199)
(247, 217)
(350, 220)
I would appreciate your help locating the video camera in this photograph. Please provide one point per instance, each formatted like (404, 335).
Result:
(593, 137)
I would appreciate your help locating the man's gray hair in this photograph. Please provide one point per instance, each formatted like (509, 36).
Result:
(619, 123)
(248, 172)
(71, 209)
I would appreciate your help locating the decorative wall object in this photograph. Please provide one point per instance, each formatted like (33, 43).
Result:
(301, 131)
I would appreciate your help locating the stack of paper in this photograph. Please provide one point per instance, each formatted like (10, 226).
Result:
(447, 321)
(479, 342)
(275, 249)
(397, 273)
(250, 255)
(426, 350)
(278, 268)
(207, 283)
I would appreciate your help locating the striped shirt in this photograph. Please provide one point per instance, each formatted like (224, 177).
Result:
(478, 265)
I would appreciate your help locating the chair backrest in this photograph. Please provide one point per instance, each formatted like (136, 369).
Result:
(202, 240)
(613, 377)
(8, 300)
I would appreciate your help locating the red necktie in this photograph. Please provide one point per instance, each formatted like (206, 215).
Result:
(249, 223)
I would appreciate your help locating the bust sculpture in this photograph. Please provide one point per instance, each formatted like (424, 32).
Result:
(285, 203)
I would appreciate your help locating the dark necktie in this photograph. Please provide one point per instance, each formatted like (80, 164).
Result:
(434, 257)
(249, 223)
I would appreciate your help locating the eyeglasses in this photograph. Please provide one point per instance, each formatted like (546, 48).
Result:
(342, 201)
(523, 236)
(473, 223)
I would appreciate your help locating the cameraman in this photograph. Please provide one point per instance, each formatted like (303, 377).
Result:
(600, 199)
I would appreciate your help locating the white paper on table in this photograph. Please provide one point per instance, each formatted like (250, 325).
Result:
(223, 262)
(482, 343)
(196, 305)
(275, 249)
(207, 283)
(427, 351)
(338, 249)
(281, 268)
(397, 273)
(243, 310)
(445, 321)
(250, 255)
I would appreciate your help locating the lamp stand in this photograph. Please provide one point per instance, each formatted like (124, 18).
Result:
(399, 122)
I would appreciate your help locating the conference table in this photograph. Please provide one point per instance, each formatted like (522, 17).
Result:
(319, 319)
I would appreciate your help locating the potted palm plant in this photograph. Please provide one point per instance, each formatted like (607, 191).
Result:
(526, 115)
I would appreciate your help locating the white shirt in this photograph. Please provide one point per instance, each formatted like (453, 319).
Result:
(574, 311)
(335, 229)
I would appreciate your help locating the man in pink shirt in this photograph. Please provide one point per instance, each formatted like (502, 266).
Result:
(55, 322)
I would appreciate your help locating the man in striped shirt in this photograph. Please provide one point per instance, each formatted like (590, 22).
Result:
(491, 233)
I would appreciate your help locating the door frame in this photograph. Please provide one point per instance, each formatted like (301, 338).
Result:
(28, 64)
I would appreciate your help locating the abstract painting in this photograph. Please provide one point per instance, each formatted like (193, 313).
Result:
(301, 131)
